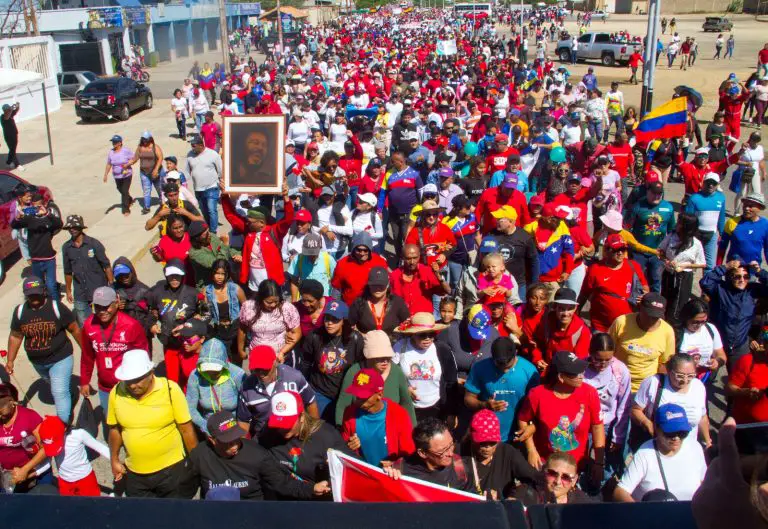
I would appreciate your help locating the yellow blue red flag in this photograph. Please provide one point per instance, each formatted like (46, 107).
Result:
(666, 121)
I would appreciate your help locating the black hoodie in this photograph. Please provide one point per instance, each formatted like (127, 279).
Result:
(133, 295)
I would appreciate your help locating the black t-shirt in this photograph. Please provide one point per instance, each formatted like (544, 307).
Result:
(10, 131)
(361, 316)
(329, 357)
(413, 466)
(507, 465)
(45, 332)
(312, 455)
(186, 206)
(86, 265)
(519, 251)
(251, 471)
(473, 188)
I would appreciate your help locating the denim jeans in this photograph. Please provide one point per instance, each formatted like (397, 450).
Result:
(148, 183)
(181, 125)
(209, 206)
(199, 118)
(652, 267)
(618, 119)
(574, 55)
(454, 273)
(58, 375)
(595, 129)
(384, 228)
(710, 253)
(104, 402)
(352, 197)
(46, 270)
(82, 310)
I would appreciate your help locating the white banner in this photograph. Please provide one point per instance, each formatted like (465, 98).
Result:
(446, 47)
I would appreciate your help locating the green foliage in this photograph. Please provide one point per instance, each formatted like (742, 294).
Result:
(736, 6)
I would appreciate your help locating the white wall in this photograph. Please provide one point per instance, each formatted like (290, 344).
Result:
(29, 95)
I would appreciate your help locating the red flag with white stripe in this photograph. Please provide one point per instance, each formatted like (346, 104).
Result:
(353, 480)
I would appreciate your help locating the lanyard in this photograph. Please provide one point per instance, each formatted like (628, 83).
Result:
(378, 320)
(106, 342)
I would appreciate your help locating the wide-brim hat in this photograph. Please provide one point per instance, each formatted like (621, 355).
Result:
(421, 322)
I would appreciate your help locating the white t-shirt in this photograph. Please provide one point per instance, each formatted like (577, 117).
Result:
(684, 471)
(298, 131)
(72, 463)
(701, 344)
(694, 402)
(338, 132)
(754, 156)
(571, 134)
(324, 216)
(692, 255)
(422, 369)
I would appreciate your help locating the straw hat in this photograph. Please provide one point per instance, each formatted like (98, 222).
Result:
(420, 322)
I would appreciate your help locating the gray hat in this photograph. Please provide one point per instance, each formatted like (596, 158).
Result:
(362, 239)
(104, 296)
(756, 198)
(327, 190)
(312, 244)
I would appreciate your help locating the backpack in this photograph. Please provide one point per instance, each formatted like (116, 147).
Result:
(636, 290)
(20, 310)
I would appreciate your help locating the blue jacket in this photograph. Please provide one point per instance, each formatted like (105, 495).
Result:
(730, 309)
(206, 397)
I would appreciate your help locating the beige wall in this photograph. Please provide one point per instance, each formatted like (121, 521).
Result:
(679, 7)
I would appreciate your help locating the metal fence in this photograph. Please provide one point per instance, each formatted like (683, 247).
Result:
(32, 57)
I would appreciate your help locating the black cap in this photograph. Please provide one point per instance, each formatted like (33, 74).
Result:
(653, 304)
(566, 296)
(568, 363)
(194, 327)
(196, 228)
(223, 427)
(378, 276)
(503, 350)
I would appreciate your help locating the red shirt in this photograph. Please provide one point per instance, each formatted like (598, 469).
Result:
(750, 374)
(435, 241)
(211, 132)
(351, 277)
(763, 56)
(530, 322)
(170, 249)
(398, 429)
(549, 339)
(622, 158)
(581, 239)
(580, 200)
(417, 293)
(497, 161)
(491, 199)
(12, 452)
(562, 425)
(105, 348)
(635, 59)
(305, 318)
(608, 291)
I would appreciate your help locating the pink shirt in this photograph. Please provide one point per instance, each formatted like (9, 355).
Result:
(12, 452)
(484, 282)
(211, 132)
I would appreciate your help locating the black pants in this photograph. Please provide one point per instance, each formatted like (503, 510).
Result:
(175, 481)
(676, 288)
(181, 124)
(12, 143)
(124, 188)
(399, 225)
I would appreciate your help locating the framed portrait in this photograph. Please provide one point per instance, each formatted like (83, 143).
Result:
(254, 154)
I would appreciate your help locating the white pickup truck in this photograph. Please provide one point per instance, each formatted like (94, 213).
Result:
(596, 46)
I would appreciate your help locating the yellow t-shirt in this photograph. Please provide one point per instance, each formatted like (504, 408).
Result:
(642, 351)
(149, 425)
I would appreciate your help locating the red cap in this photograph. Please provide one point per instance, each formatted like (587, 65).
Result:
(52, 431)
(496, 298)
(261, 357)
(266, 98)
(652, 177)
(286, 407)
(443, 141)
(536, 200)
(615, 241)
(549, 210)
(303, 216)
(501, 137)
(367, 382)
(485, 427)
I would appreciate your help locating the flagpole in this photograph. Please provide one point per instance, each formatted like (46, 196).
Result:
(649, 66)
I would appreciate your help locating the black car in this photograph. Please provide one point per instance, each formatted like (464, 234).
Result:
(112, 97)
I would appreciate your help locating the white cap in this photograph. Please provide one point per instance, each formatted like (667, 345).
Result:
(428, 188)
(407, 102)
(173, 271)
(210, 366)
(413, 136)
(703, 150)
(136, 364)
(712, 176)
(612, 219)
(369, 198)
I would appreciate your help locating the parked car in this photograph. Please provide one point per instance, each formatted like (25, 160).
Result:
(112, 97)
(600, 14)
(594, 46)
(70, 83)
(9, 182)
(717, 24)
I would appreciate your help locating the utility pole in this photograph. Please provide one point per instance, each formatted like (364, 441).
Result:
(224, 36)
(33, 17)
(280, 27)
(649, 66)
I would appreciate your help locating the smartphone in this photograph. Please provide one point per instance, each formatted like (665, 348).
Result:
(30, 210)
(752, 439)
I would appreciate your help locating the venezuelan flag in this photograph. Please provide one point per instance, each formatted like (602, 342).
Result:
(667, 121)
(207, 80)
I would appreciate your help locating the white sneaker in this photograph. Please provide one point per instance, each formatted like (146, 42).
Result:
(21, 168)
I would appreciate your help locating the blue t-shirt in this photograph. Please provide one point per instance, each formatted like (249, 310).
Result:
(486, 381)
(748, 240)
(372, 431)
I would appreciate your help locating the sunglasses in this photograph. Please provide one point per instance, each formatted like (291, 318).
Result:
(618, 250)
(362, 250)
(741, 276)
(191, 341)
(554, 475)
(671, 435)
(424, 336)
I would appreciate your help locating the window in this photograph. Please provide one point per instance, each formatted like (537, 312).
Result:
(585, 38)
(602, 38)
(7, 184)
(97, 88)
(69, 79)
(89, 76)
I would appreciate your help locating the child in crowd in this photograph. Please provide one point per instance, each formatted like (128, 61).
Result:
(494, 278)
(448, 311)
(531, 313)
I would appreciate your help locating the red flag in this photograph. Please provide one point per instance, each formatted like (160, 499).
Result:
(355, 480)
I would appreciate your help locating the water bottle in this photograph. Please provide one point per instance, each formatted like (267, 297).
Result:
(28, 441)
(6, 482)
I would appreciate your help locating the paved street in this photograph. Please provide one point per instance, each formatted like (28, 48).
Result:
(80, 150)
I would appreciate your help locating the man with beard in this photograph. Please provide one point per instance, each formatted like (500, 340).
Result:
(251, 169)
(106, 337)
